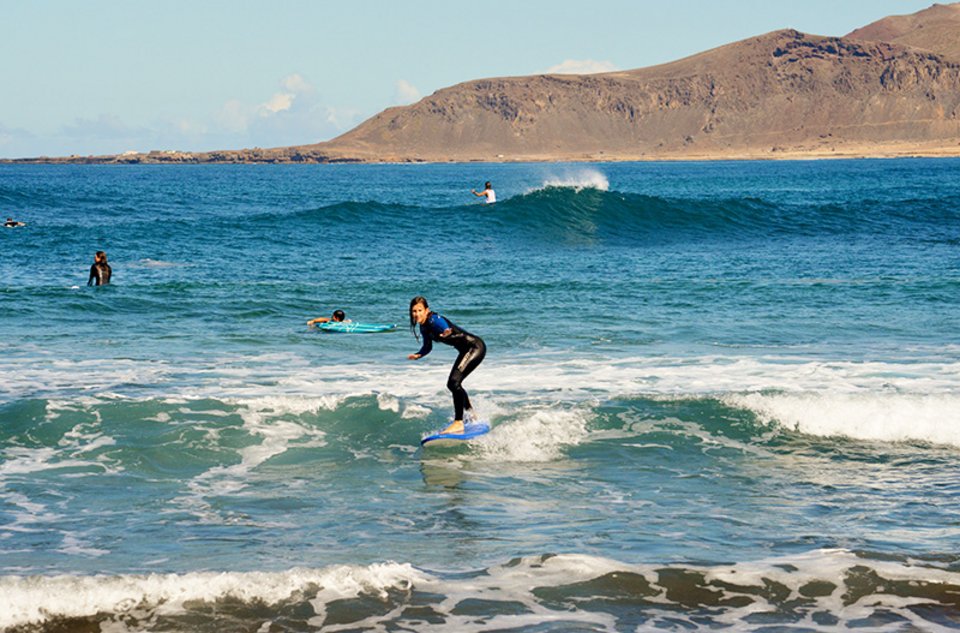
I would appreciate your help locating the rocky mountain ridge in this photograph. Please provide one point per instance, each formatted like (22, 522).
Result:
(888, 89)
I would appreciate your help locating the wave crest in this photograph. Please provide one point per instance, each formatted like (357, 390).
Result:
(576, 180)
(549, 592)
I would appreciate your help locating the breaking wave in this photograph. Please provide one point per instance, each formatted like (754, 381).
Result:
(817, 590)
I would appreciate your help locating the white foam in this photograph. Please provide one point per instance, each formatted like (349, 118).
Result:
(36, 599)
(46, 374)
(578, 179)
(740, 586)
(535, 436)
(157, 263)
(19, 460)
(833, 566)
(83, 438)
(388, 403)
(901, 399)
(74, 546)
(31, 513)
(261, 419)
(414, 412)
(891, 417)
(546, 373)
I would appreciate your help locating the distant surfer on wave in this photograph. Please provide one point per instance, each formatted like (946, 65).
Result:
(472, 349)
(487, 193)
(100, 272)
(11, 223)
(338, 316)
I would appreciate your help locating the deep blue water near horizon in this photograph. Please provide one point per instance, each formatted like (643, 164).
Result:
(723, 395)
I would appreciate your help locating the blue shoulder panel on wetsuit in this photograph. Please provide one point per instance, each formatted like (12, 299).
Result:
(431, 331)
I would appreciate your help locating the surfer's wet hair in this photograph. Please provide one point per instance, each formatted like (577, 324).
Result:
(338, 315)
(413, 323)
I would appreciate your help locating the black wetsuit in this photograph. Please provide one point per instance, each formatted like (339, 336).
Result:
(472, 350)
(99, 275)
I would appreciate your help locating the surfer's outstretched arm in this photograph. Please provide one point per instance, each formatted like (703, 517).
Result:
(425, 349)
(487, 193)
(338, 315)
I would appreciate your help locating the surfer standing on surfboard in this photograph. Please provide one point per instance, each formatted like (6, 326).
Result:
(472, 349)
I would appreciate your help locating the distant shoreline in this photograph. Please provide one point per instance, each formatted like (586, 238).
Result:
(285, 157)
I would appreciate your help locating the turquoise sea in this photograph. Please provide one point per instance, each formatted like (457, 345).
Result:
(723, 396)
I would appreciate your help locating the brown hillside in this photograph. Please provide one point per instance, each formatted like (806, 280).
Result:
(781, 92)
(891, 88)
(935, 29)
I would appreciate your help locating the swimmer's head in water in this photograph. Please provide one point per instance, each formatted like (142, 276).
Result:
(487, 185)
(338, 315)
(100, 257)
(419, 310)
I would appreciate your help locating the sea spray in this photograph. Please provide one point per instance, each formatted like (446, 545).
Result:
(576, 179)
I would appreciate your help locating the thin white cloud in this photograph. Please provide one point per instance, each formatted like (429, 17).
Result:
(342, 119)
(234, 116)
(7, 136)
(186, 127)
(293, 115)
(405, 92)
(581, 67)
(238, 117)
(296, 84)
(293, 86)
(16, 142)
(277, 103)
(104, 126)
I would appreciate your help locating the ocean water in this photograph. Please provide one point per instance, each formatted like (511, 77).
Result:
(723, 396)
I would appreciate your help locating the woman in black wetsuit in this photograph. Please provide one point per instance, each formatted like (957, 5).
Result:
(472, 349)
(100, 272)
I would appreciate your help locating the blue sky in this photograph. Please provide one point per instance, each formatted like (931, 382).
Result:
(108, 76)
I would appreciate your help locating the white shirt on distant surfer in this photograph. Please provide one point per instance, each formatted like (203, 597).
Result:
(487, 193)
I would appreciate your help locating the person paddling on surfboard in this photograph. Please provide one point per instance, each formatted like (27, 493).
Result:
(338, 316)
(471, 348)
(487, 193)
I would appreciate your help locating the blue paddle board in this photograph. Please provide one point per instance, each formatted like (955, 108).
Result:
(353, 327)
(471, 430)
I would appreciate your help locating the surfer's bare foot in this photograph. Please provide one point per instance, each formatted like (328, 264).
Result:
(456, 427)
